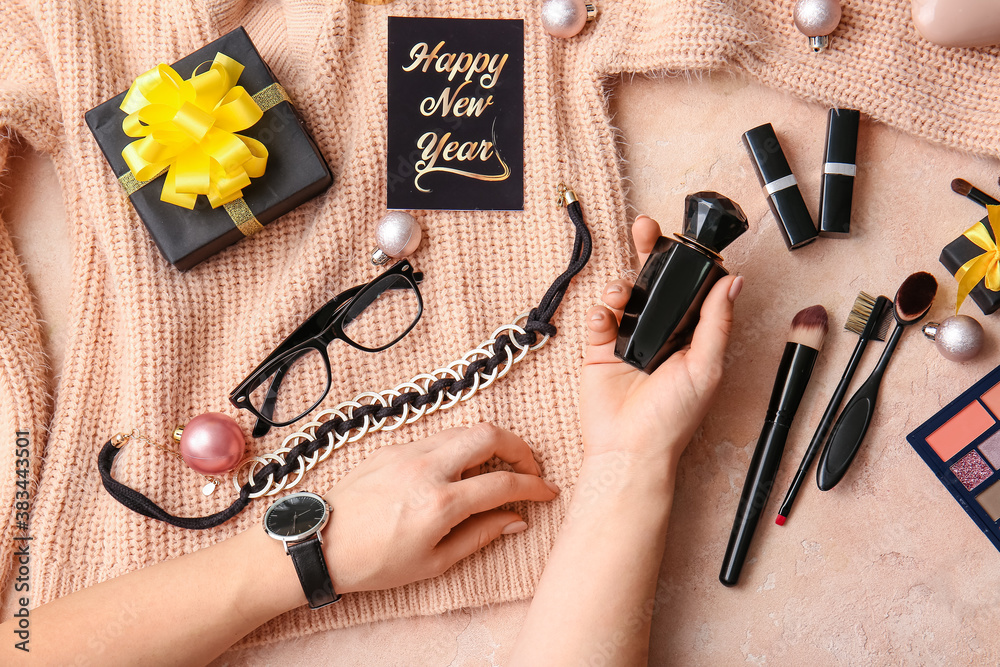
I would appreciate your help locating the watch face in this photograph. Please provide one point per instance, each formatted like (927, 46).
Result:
(298, 515)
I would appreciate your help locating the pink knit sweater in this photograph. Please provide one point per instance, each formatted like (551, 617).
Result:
(150, 347)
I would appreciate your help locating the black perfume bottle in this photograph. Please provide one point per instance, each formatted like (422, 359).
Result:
(666, 301)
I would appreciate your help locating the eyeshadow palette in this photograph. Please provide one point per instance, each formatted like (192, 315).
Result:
(961, 444)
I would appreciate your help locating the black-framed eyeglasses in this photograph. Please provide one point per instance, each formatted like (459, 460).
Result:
(296, 376)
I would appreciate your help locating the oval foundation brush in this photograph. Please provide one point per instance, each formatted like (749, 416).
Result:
(804, 342)
(913, 300)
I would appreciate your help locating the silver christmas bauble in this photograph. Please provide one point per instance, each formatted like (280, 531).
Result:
(816, 19)
(566, 18)
(397, 235)
(958, 338)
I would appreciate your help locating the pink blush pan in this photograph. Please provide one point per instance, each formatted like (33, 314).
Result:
(959, 431)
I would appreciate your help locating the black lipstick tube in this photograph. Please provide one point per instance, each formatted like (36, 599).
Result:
(839, 168)
(789, 386)
(780, 186)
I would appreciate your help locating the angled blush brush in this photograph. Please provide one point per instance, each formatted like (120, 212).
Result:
(913, 300)
(869, 319)
(804, 342)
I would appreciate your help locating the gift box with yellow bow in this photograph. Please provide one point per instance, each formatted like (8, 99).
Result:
(209, 150)
(974, 259)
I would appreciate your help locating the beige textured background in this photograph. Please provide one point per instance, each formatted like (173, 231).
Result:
(884, 569)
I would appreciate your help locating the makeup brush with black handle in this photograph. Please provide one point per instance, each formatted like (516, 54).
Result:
(868, 319)
(804, 342)
(913, 300)
(966, 189)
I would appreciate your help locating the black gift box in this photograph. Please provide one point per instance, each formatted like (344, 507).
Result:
(296, 171)
(960, 251)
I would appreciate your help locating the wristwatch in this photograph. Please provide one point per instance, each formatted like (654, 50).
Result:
(296, 520)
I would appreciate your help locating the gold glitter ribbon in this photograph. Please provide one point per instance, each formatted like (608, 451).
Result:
(130, 184)
(271, 96)
(986, 266)
(243, 217)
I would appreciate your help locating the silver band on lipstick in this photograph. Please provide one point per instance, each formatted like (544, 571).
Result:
(781, 184)
(842, 168)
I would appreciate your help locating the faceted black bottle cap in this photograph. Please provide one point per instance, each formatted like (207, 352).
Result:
(712, 220)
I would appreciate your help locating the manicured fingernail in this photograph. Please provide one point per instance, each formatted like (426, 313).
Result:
(597, 316)
(735, 288)
(614, 288)
(551, 485)
(516, 527)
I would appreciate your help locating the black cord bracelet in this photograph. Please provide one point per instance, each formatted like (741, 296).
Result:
(538, 324)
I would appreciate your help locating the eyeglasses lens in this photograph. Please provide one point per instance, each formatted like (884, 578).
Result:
(383, 314)
(293, 388)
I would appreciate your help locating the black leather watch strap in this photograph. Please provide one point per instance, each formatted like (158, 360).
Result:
(311, 567)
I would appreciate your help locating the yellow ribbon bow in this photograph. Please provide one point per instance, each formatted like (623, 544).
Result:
(188, 128)
(986, 265)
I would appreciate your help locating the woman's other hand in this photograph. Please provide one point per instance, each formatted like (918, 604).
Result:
(410, 512)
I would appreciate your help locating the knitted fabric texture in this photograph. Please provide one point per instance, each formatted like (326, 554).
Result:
(150, 347)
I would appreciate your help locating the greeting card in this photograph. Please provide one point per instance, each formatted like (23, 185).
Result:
(456, 114)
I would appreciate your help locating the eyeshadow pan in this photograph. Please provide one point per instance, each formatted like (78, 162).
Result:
(992, 399)
(970, 423)
(990, 500)
(990, 448)
(971, 470)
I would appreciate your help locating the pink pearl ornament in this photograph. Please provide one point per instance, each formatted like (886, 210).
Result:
(958, 23)
(212, 443)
